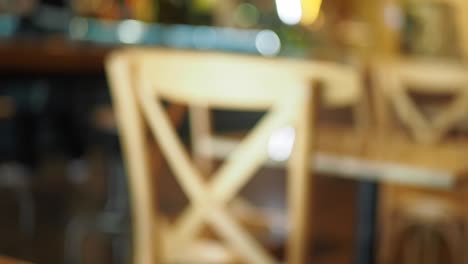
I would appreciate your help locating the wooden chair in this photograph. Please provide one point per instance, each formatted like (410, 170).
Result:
(424, 138)
(460, 20)
(140, 78)
(418, 136)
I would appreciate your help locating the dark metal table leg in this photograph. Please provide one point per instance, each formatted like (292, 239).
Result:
(367, 204)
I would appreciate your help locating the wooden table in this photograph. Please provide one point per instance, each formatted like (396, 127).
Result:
(341, 153)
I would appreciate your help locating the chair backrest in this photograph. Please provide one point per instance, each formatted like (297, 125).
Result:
(458, 8)
(460, 12)
(395, 83)
(220, 80)
(141, 78)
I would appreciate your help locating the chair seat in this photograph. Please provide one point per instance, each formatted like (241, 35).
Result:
(363, 155)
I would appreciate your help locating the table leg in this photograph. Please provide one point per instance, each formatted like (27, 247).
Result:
(367, 203)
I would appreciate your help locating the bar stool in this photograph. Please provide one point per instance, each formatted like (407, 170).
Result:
(140, 78)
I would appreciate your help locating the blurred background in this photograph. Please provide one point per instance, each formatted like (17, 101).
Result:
(63, 187)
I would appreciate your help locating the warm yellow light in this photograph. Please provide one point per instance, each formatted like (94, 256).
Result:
(310, 11)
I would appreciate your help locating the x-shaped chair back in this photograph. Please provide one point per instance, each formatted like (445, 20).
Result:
(399, 78)
(141, 78)
(396, 79)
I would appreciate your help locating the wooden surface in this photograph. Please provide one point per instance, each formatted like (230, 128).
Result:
(299, 182)
(51, 56)
(399, 159)
(215, 90)
(342, 153)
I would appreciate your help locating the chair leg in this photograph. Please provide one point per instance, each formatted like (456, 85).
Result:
(300, 187)
(455, 242)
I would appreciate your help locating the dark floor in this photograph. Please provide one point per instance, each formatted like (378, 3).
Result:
(333, 221)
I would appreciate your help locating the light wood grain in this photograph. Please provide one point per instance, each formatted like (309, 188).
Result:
(131, 126)
(203, 81)
(300, 184)
(399, 78)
